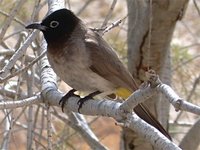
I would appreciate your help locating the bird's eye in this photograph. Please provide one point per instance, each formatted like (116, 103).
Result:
(54, 24)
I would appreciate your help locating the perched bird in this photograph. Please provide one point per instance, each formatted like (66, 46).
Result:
(85, 61)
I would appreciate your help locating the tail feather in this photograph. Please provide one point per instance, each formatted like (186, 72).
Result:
(142, 111)
(147, 116)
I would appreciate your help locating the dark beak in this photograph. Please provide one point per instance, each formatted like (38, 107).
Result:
(36, 26)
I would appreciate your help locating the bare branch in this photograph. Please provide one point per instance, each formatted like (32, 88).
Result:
(24, 68)
(15, 19)
(19, 53)
(20, 103)
(196, 6)
(107, 18)
(176, 101)
(10, 18)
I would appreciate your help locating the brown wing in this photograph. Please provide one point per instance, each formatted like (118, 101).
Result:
(105, 62)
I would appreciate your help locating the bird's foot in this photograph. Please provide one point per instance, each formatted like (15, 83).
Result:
(86, 98)
(82, 101)
(66, 97)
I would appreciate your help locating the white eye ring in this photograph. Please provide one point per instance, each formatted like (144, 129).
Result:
(54, 24)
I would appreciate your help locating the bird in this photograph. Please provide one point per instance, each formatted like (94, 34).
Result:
(86, 62)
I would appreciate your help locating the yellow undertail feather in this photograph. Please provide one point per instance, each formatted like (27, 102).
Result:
(123, 93)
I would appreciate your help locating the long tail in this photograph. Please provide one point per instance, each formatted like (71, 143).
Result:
(147, 116)
(142, 111)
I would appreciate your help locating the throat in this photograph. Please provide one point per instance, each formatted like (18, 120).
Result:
(56, 46)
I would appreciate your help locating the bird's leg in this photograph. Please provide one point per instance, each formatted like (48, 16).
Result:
(66, 97)
(83, 100)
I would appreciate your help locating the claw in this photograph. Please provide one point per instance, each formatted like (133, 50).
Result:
(82, 101)
(86, 98)
(66, 97)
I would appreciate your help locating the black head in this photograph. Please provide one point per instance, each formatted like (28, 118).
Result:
(59, 24)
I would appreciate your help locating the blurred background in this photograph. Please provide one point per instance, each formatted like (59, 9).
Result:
(183, 75)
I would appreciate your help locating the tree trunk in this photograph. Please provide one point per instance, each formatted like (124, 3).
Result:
(150, 30)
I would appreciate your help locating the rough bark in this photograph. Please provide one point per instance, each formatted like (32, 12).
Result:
(150, 48)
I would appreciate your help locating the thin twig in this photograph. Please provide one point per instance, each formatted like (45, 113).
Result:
(113, 25)
(15, 19)
(149, 33)
(24, 68)
(104, 30)
(107, 18)
(19, 53)
(196, 6)
(11, 16)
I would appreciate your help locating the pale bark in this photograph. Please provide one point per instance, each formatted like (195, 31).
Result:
(150, 48)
